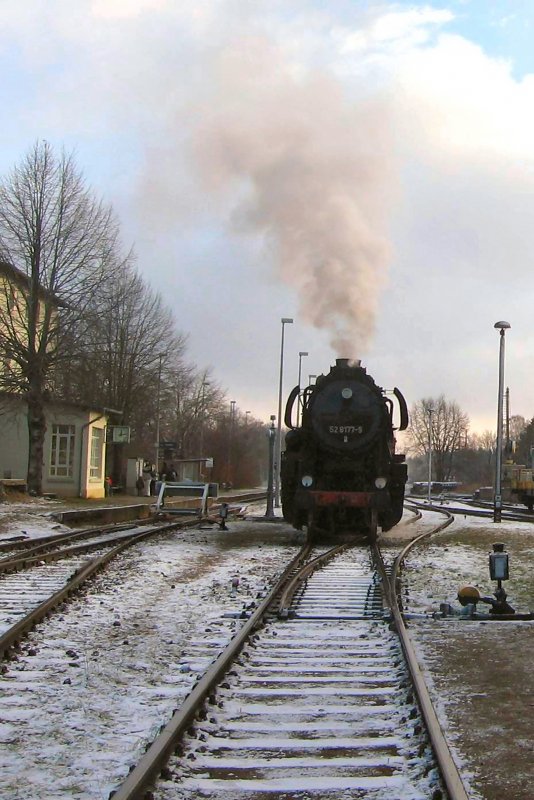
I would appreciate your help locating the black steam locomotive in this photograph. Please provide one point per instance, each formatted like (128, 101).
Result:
(339, 472)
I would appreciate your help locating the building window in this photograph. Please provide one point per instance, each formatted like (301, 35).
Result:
(97, 445)
(62, 453)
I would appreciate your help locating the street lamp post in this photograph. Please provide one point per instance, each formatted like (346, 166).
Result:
(497, 502)
(271, 433)
(229, 469)
(301, 355)
(430, 412)
(285, 321)
(202, 416)
(161, 356)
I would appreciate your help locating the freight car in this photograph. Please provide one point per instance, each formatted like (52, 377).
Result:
(518, 483)
(340, 474)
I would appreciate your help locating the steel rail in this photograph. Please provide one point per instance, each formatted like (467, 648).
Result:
(415, 511)
(304, 573)
(27, 561)
(151, 764)
(14, 634)
(42, 542)
(405, 550)
(507, 515)
(33, 557)
(446, 764)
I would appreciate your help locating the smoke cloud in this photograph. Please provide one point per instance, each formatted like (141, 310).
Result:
(308, 168)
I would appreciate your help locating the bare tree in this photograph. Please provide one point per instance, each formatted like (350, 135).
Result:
(126, 356)
(524, 451)
(516, 428)
(126, 329)
(61, 242)
(486, 443)
(195, 402)
(448, 427)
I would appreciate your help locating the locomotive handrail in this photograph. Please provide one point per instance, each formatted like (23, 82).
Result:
(289, 407)
(403, 408)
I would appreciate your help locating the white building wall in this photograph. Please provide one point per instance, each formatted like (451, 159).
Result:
(14, 448)
(13, 442)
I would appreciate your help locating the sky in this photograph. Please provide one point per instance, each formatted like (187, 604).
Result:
(364, 168)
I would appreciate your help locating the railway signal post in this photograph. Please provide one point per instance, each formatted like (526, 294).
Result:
(269, 513)
(502, 326)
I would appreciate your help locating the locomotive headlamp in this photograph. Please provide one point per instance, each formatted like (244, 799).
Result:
(346, 393)
(307, 480)
(380, 483)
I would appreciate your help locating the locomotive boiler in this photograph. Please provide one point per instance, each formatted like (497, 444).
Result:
(340, 473)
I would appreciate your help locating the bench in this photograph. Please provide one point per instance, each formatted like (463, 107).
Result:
(15, 484)
(187, 489)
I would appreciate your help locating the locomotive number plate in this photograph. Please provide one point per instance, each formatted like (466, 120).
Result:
(345, 429)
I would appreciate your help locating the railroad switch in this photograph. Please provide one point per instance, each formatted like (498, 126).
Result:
(469, 596)
(499, 571)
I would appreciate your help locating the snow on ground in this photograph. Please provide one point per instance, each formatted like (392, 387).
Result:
(94, 683)
(28, 519)
(481, 672)
(459, 557)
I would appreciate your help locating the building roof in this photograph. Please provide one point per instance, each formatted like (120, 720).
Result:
(23, 280)
(57, 403)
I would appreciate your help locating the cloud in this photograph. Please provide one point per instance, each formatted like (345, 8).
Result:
(398, 31)
(380, 167)
(122, 9)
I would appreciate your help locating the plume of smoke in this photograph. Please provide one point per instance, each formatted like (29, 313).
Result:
(309, 169)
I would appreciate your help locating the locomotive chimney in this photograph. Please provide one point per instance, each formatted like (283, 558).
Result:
(345, 362)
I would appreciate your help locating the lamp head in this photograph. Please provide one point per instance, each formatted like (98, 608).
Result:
(502, 325)
(302, 353)
(286, 319)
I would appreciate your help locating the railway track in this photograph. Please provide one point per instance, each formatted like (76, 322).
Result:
(37, 575)
(36, 582)
(12, 546)
(89, 687)
(318, 694)
(477, 509)
(14, 550)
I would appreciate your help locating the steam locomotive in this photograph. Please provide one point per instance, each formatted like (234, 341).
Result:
(339, 472)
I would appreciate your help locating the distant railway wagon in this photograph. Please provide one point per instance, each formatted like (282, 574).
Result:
(436, 487)
(519, 480)
(340, 471)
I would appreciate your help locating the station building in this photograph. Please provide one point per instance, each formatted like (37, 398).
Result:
(75, 438)
(74, 447)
